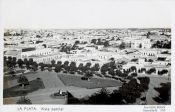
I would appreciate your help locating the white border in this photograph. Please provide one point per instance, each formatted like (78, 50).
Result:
(66, 14)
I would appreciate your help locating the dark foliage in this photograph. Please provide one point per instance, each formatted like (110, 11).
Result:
(126, 94)
(24, 100)
(164, 93)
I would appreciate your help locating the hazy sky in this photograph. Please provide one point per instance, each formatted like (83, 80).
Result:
(85, 14)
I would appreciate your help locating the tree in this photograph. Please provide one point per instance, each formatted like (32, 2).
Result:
(9, 62)
(150, 60)
(42, 66)
(87, 66)
(44, 45)
(112, 59)
(144, 83)
(99, 42)
(164, 93)
(88, 74)
(12, 72)
(101, 97)
(133, 68)
(27, 65)
(35, 66)
(140, 45)
(148, 34)
(73, 67)
(77, 42)
(25, 61)
(38, 36)
(9, 58)
(14, 61)
(81, 67)
(116, 98)
(118, 73)
(7, 33)
(57, 68)
(65, 49)
(59, 63)
(106, 43)
(130, 91)
(71, 99)
(53, 62)
(133, 74)
(164, 71)
(94, 41)
(104, 69)
(66, 65)
(111, 71)
(20, 63)
(30, 61)
(5, 60)
(151, 70)
(23, 80)
(96, 67)
(49, 67)
(122, 45)
(112, 64)
(142, 70)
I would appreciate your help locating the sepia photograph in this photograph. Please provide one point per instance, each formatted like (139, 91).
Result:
(130, 66)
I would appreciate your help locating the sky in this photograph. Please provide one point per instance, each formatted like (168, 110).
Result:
(73, 14)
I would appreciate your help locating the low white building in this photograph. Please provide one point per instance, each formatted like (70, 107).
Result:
(141, 43)
(38, 52)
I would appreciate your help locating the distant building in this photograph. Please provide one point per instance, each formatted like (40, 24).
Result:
(141, 43)
(37, 52)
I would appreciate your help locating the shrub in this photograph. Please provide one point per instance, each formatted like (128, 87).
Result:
(118, 73)
(144, 83)
(153, 70)
(24, 100)
(64, 71)
(72, 72)
(150, 71)
(133, 68)
(84, 78)
(164, 93)
(162, 72)
(134, 74)
(142, 70)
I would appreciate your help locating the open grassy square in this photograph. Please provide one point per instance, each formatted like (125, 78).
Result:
(70, 80)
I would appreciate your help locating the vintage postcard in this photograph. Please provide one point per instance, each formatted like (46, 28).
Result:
(61, 56)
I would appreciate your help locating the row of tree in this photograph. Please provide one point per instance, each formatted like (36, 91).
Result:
(110, 68)
(71, 67)
(12, 62)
